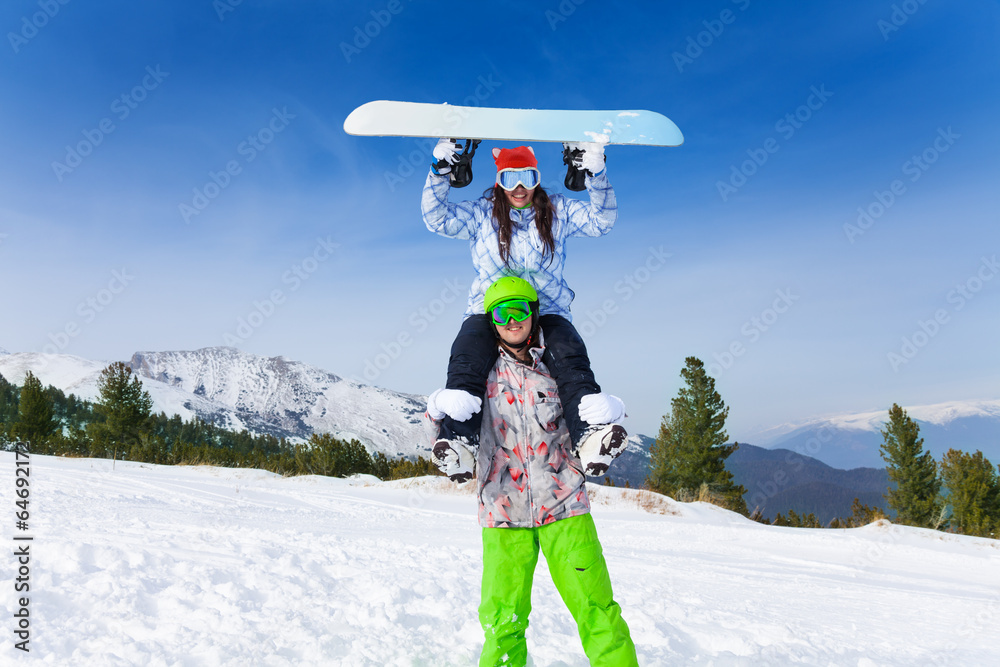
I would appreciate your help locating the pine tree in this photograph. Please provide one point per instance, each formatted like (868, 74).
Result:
(973, 492)
(862, 515)
(8, 408)
(912, 471)
(35, 422)
(690, 450)
(125, 407)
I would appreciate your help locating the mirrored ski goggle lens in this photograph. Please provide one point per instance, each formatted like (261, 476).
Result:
(519, 311)
(508, 179)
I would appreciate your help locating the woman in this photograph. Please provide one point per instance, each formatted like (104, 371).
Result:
(517, 228)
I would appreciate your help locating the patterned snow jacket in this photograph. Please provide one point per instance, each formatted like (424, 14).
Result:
(527, 475)
(473, 220)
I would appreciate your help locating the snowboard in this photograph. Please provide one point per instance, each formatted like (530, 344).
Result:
(416, 119)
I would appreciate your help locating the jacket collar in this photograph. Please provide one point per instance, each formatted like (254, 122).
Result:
(535, 352)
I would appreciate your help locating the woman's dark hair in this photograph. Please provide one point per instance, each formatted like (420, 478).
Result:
(545, 217)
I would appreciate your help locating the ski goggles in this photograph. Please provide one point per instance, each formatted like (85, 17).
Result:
(509, 179)
(518, 311)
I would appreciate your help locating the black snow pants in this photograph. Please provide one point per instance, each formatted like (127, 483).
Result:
(475, 351)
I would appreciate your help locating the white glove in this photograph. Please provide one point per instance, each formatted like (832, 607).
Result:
(454, 459)
(455, 403)
(592, 158)
(602, 409)
(445, 154)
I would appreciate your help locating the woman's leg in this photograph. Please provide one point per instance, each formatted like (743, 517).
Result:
(472, 357)
(567, 361)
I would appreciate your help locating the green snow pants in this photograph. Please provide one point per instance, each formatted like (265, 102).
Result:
(576, 563)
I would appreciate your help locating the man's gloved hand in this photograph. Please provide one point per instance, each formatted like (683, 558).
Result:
(454, 459)
(455, 403)
(602, 408)
(445, 155)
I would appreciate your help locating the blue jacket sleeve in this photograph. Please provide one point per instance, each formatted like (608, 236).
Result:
(456, 221)
(597, 217)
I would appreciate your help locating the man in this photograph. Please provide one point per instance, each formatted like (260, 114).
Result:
(532, 493)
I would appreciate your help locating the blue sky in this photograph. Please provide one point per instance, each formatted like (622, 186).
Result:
(745, 247)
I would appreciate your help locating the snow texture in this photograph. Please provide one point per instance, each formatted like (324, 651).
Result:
(158, 565)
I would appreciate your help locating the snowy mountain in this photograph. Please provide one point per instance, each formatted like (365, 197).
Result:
(75, 375)
(288, 397)
(852, 440)
(238, 390)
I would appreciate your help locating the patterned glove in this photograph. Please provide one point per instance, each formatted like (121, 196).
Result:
(602, 446)
(453, 458)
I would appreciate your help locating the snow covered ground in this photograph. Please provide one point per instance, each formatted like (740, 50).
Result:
(151, 565)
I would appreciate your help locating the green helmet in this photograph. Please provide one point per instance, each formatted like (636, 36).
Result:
(506, 289)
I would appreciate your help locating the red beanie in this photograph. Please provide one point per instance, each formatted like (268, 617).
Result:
(521, 157)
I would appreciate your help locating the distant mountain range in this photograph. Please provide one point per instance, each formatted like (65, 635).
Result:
(816, 466)
(776, 480)
(779, 480)
(852, 440)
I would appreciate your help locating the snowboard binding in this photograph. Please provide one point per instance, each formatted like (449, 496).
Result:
(575, 175)
(460, 174)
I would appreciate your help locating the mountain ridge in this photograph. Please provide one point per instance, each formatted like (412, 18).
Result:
(282, 397)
